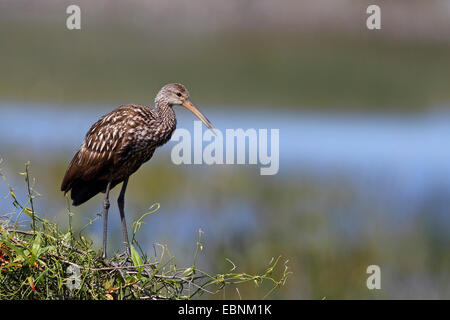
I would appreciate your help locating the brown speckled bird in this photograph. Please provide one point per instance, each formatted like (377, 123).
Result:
(118, 144)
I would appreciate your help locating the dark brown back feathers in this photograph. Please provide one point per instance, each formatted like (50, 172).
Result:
(118, 143)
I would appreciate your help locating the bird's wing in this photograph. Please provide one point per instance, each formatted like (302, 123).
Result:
(138, 136)
(96, 155)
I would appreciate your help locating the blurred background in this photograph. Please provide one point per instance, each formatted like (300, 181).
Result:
(364, 123)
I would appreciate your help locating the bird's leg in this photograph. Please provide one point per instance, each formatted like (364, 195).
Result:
(105, 213)
(121, 203)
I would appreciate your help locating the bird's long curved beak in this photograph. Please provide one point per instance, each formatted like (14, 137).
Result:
(188, 104)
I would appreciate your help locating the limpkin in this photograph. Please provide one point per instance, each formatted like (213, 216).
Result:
(118, 144)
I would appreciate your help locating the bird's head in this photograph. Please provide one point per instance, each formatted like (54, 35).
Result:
(176, 94)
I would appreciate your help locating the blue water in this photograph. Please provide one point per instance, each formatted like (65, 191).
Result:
(398, 160)
(414, 147)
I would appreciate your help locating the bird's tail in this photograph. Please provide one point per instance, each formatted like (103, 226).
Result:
(82, 191)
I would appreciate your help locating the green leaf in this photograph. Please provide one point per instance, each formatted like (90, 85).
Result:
(188, 272)
(36, 247)
(28, 212)
(136, 258)
(21, 255)
(66, 238)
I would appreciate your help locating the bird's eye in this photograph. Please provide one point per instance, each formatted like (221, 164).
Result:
(179, 94)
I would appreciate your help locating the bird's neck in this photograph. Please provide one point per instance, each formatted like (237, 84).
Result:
(166, 116)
